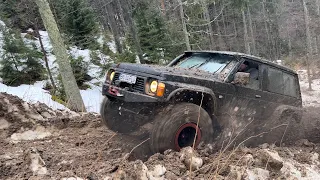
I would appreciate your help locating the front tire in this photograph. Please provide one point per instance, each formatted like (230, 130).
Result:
(115, 119)
(176, 128)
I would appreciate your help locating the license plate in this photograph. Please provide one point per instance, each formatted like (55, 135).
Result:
(128, 78)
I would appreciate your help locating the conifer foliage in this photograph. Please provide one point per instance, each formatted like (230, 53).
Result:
(20, 63)
(152, 31)
(77, 20)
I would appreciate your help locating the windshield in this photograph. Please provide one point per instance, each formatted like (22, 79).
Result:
(213, 63)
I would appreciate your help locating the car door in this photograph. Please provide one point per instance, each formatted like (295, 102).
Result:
(280, 89)
(246, 99)
(242, 105)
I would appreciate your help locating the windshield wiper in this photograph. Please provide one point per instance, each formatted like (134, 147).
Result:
(200, 64)
(217, 70)
(221, 67)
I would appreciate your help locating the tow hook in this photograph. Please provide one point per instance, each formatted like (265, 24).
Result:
(115, 92)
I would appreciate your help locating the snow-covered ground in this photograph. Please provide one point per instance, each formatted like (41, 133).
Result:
(34, 93)
(309, 98)
(92, 97)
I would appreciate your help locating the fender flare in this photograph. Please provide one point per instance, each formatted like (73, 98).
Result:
(197, 89)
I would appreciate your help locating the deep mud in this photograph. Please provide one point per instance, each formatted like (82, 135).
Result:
(39, 143)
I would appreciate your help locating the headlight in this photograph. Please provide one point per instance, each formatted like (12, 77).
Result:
(112, 75)
(154, 86)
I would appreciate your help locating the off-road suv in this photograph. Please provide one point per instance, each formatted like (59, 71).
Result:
(223, 92)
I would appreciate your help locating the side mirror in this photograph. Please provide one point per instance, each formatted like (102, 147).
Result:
(241, 78)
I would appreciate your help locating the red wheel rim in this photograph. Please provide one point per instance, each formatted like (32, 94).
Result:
(183, 129)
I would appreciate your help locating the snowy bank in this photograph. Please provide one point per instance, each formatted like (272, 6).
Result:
(34, 93)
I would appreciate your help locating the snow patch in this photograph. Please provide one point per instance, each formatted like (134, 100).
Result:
(309, 98)
(112, 46)
(32, 94)
(39, 133)
(92, 98)
(2, 26)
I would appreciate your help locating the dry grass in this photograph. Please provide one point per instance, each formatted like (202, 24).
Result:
(195, 137)
(219, 164)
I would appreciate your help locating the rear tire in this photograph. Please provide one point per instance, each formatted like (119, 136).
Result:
(175, 128)
(116, 120)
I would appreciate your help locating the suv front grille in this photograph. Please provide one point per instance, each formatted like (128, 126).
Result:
(137, 87)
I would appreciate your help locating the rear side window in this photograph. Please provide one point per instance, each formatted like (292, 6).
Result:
(290, 85)
(282, 83)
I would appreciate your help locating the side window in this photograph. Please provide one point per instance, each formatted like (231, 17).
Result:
(281, 82)
(290, 85)
(275, 81)
(252, 68)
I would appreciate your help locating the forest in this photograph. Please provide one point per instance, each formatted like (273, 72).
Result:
(154, 32)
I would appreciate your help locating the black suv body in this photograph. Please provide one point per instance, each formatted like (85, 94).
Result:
(202, 94)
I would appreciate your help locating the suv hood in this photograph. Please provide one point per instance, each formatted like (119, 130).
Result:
(166, 71)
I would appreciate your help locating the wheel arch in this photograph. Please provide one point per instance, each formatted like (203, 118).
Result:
(194, 96)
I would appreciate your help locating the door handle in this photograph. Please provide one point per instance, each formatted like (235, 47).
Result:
(258, 96)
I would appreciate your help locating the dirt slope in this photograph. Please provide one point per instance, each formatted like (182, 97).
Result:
(39, 143)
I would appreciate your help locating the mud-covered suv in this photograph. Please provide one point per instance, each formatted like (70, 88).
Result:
(202, 94)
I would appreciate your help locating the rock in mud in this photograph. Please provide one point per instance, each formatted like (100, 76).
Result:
(289, 171)
(157, 173)
(4, 124)
(190, 158)
(315, 158)
(37, 165)
(144, 172)
(248, 159)
(270, 158)
(237, 172)
(257, 173)
(39, 133)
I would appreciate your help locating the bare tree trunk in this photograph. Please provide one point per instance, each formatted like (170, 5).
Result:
(316, 50)
(133, 30)
(45, 59)
(266, 26)
(163, 7)
(309, 46)
(184, 26)
(113, 26)
(318, 7)
(253, 40)
(226, 40)
(220, 40)
(246, 41)
(289, 44)
(123, 22)
(235, 41)
(75, 101)
(224, 22)
(207, 20)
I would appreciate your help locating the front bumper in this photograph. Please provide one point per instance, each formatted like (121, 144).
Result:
(135, 108)
(127, 96)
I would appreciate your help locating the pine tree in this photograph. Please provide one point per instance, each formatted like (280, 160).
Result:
(152, 33)
(19, 14)
(77, 21)
(20, 64)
